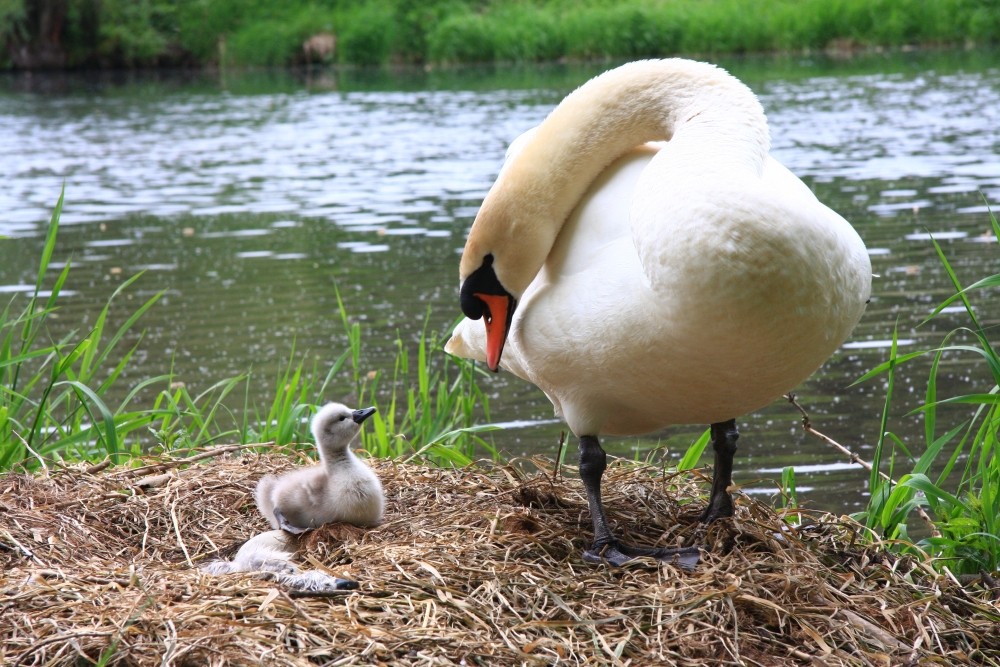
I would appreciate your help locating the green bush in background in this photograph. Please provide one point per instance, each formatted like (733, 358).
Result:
(77, 33)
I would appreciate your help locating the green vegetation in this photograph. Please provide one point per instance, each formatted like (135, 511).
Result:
(53, 393)
(61, 33)
(965, 520)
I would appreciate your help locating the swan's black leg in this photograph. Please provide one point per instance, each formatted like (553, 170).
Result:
(720, 504)
(593, 461)
(606, 547)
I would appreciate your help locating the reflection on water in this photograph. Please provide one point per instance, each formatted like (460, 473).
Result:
(247, 199)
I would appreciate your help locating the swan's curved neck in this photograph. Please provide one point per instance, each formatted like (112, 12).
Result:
(708, 115)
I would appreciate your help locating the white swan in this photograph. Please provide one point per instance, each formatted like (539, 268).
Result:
(641, 284)
(340, 488)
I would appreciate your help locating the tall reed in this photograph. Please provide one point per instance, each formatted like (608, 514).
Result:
(51, 391)
(957, 477)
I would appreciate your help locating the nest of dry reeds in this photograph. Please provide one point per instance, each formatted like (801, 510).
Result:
(478, 566)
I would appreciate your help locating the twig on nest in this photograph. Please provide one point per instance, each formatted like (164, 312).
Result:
(98, 467)
(294, 594)
(853, 456)
(28, 553)
(162, 467)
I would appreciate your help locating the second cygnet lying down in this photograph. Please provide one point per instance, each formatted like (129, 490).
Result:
(270, 555)
(340, 488)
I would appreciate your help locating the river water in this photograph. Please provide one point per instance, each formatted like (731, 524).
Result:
(248, 197)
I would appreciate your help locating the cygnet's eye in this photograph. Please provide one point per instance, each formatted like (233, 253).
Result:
(343, 417)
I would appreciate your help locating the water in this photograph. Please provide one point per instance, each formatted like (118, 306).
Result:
(247, 198)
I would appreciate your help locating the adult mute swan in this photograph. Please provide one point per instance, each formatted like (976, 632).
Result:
(340, 488)
(642, 284)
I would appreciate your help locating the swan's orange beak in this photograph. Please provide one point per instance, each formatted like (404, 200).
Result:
(483, 295)
(498, 315)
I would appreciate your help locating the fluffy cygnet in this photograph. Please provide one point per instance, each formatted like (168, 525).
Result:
(269, 554)
(339, 488)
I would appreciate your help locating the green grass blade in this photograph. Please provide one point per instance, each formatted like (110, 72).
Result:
(126, 326)
(985, 283)
(21, 358)
(56, 290)
(889, 365)
(879, 489)
(955, 282)
(930, 398)
(928, 488)
(934, 449)
(157, 379)
(50, 243)
(30, 325)
(993, 221)
(109, 433)
(694, 452)
(976, 399)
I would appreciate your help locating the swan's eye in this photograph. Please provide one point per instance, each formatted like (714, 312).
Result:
(342, 417)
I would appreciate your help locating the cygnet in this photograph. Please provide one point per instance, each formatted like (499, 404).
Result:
(340, 488)
(269, 554)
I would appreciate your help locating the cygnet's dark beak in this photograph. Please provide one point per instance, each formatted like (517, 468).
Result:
(360, 416)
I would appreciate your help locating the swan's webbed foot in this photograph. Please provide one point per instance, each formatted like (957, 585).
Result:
(618, 554)
(606, 547)
(284, 525)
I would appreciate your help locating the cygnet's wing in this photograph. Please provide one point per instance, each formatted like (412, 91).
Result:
(263, 495)
(284, 525)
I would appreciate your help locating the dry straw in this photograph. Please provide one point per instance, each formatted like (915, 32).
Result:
(479, 566)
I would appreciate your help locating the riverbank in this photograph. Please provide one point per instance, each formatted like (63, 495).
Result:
(479, 565)
(47, 34)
